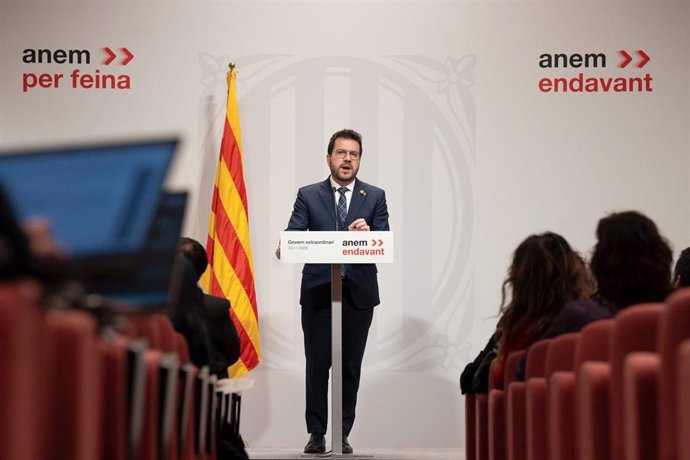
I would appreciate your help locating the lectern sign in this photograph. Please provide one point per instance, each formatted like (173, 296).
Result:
(336, 247)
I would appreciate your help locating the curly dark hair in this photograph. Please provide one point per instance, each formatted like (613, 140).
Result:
(545, 274)
(631, 262)
(682, 270)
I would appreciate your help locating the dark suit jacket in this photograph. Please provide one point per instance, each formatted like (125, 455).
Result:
(189, 317)
(315, 210)
(225, 344)
(14, 245)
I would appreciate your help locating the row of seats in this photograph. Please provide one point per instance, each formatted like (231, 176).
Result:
(72, 389)
(617, 390)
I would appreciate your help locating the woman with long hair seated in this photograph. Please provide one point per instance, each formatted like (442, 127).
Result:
(631, 264)
(544, 275)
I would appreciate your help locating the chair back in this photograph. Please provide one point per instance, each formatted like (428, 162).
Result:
(75, 422)
(561, 353)
(594, 342)
(683, 395)
(674, 327)
(635, 329)
(114, 396)
(23, 370)
(536, 359)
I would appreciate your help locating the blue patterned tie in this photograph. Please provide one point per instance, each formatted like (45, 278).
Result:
(342, 207)
(342, 214)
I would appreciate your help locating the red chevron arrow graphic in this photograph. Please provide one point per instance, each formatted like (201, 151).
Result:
(110, 56)
(373, 242)
(644, 57)
(129, 55)
(626, 59)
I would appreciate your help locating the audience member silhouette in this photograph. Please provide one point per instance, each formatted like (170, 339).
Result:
(631, 264)
(29, 249)
(225, 344)
(544, 275)
(188, 318)
(681, 274)
(14, 243)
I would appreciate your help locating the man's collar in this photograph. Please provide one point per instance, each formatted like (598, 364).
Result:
(350, 187)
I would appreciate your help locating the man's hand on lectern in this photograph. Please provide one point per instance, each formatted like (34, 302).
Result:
(359, 225)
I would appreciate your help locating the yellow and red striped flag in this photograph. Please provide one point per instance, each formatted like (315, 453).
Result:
(231, 272)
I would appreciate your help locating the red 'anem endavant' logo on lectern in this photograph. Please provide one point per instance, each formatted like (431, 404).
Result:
(361, 248)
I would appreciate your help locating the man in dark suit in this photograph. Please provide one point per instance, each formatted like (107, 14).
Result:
(224, 346)
(341, 202)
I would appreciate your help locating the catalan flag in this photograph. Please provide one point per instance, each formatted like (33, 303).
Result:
(231, 272)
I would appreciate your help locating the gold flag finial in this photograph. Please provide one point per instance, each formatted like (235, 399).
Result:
(231, 66)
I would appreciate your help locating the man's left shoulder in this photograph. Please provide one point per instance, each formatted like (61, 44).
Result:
(365, 188)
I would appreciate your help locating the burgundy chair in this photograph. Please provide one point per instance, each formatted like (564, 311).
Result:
(166, 331)
(592, 345)
(559, 357)
(683, 395)
(516, 448)
(212, 419)
(160, 434)
(151, 421)
(640, 405)
(560, 406)
(675, 327)
(481, 424)
(496, 424)
(470, 427)
(649, 391)
(75, 420)
(169, 344)
(114, 396)
(592, 411)
(497, 410)
(22, 369)
(147, 327)
(601, 431)
(169, 416)
(635, 329)
(190, 445)
(516, 409)
(185, 428)
(594, 342)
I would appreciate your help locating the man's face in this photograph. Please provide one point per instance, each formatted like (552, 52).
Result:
(344, 170)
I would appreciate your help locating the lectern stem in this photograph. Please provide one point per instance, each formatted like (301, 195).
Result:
(336, 360)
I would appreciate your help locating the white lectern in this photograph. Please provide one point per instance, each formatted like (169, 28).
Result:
(336, 248)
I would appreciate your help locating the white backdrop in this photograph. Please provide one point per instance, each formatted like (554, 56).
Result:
(473, 156)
